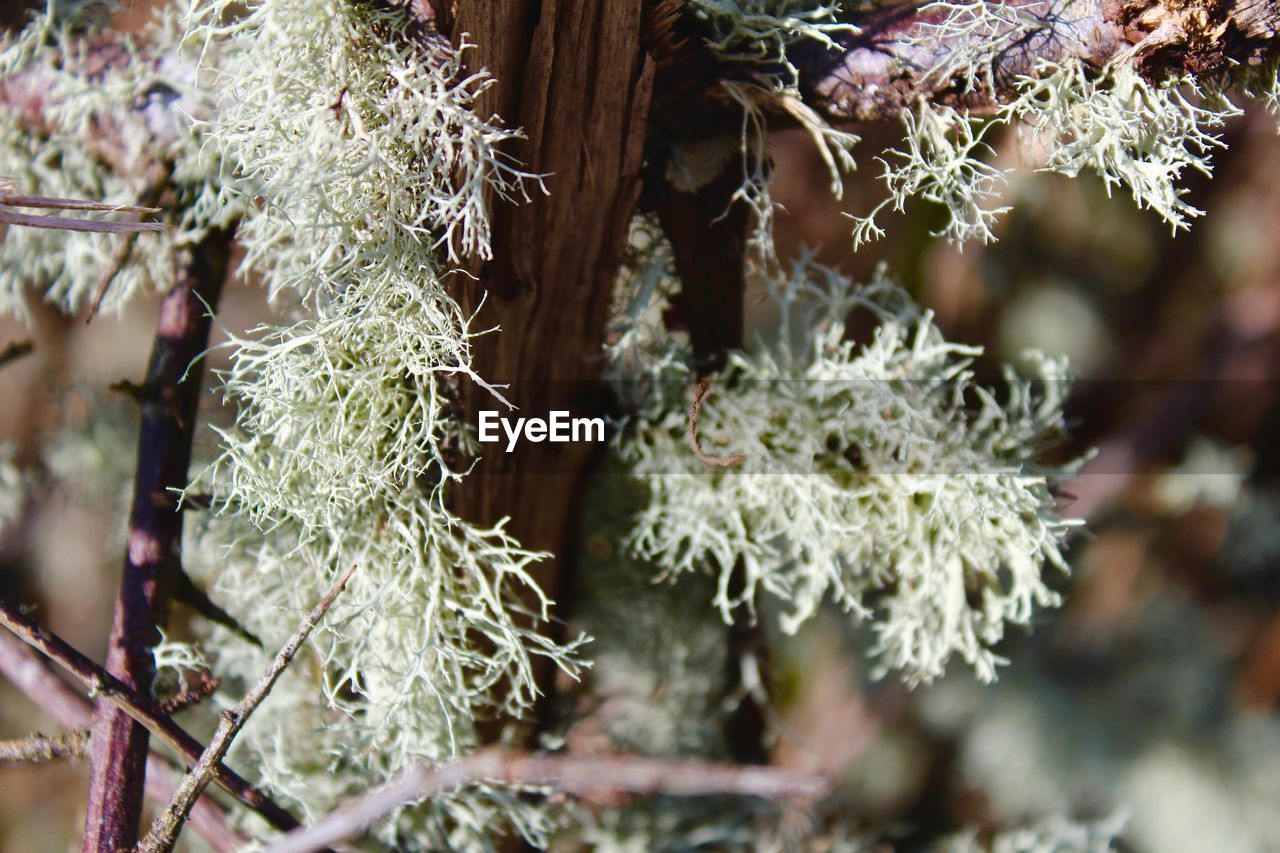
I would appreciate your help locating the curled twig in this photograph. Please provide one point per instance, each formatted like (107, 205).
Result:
(729, 461)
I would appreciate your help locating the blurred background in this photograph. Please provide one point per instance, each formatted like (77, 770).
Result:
(1150, 696)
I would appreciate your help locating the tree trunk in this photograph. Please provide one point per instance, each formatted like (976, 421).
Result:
(574, 76)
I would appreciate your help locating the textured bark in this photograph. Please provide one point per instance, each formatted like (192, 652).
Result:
(879, 71)
(577, 81)
(118, 750)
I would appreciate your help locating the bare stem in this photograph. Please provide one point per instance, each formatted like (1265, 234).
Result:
(591, 777)
(110, 689)
(167, 825)
(14, 351)
(118, 751)
(31, 676)
(42, 749)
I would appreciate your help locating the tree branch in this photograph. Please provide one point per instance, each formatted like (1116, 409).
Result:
(145, 712)
(117, 758)
(884, 68)
(167, 825)
(590, 777)
(33, 678)
(42, 749)
(14, 351)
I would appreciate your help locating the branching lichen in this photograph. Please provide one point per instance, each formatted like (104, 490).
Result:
(364, 163)
(1129, 131)
(868, 480)
(942, 162)
(115, 129)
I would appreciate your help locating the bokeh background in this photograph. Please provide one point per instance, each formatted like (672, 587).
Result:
(1150, 696)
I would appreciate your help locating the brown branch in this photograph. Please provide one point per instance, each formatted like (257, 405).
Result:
(117, 756)
(167, 825)
(14, 351)
(71, 711)
(886, 66)
(160, 175)
(598, 778)
(146, 713)
(64, 223)
(729, 461)
(42, 749)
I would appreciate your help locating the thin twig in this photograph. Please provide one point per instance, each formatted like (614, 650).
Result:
(118, 260)
(715, 461)
(167, 825)
(15, 351)
(42, 749)
(144, 711)
(159, 176)
(591, 777)
(66, 223)
(191, 693)
(68, 709)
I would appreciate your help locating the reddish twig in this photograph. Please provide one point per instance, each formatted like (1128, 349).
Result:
(191, 693)
(715, 461)
(167, 825)
(117, 755)
(598, 778)
(69, 710)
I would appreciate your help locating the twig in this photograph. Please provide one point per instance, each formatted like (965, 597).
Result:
(31, 676)
(118, 260)
(144, 711)
(715, 461)
(190, 693)
(160, 175)
(117, 753)
(592, 777)
(15, 351)
(41, 749)
(66, 223)
(167, 825)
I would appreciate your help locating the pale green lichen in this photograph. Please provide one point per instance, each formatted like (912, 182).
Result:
(364, 162)
(1129, 131)
(108, 131)
(1055, 833)
(756, 34)
(13, 487)
(942, 161)
(868, 480)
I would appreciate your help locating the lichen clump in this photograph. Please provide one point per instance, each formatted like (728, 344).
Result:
(878, 476)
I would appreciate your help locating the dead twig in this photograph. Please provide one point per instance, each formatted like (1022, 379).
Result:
(42, 749)
(30, 675)
(598, 778)
(15, 351)
(144, 711)
(167, 825)
(191, 693)
(729, 461)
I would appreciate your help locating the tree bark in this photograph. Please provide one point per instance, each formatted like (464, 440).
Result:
(575, 78)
